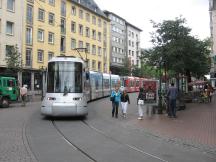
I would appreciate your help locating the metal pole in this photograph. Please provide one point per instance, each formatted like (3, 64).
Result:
(160, 95)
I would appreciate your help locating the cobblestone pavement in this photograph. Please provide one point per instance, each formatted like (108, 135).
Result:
(13, 142)
(195, 126)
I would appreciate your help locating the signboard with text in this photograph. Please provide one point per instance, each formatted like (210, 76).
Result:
(151, 92)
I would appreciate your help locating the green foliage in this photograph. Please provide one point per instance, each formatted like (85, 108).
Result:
(14, 59)
(179, 51)
(126, 69)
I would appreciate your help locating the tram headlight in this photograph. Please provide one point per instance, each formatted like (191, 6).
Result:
(51, 98)
(77, 98)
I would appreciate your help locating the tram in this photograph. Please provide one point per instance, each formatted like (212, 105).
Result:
(65, 88)
(69, 87)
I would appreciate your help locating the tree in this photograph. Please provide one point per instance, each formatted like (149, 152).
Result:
(14, 59)
(179, 52)
(126, 69)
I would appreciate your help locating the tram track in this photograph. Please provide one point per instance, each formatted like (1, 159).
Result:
(92, 159)
(134, 148)
(72, 144)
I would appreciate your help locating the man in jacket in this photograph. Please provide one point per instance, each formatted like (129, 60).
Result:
(172, 94)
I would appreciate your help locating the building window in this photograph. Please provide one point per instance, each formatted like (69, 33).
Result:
(29, 35)
(99, 23)
(52, 2)
(28, 56)
(94, 20)
(51, 18)
(9, 28)
(50, 55)
(10, 5)
(93, 49)
(63, 8)
(0, 25)
(80, 44)
(81, 14)
(94, 34)
(73, 43)
(93, 64)
(51, 38)
(41, 14)
(80, 29)
(63, 26)
(9, 50)
(40, 55)
(87, 32)
(88, 47)
(132, 34)
(99, 66)
(73, 10)
(99, 36)
(87, 17)
(29, 15)
(99, 51)
(73, 27)
(40, 35)
(62, 45)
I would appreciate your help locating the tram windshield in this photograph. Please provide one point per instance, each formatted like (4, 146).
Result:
(64, 77)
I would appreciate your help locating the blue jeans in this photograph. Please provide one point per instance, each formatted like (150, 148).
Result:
(115, 106)
(172, 107)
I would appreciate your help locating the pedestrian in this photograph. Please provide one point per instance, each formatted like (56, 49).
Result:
(172, 94)
(115, 98)
(23, 94)
(210, 91)
(140, 102)
(125, 100)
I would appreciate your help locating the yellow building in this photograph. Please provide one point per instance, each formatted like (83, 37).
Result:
(60, 27)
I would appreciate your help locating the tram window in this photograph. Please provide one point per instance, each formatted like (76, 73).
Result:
(137, 83)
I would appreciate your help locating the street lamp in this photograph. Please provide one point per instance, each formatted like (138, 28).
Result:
(43, 70)
(160, 111)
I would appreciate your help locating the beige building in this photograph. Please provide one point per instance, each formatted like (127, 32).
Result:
(11, 19)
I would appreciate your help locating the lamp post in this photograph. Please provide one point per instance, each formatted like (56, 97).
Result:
(160, 111)
(43, 70)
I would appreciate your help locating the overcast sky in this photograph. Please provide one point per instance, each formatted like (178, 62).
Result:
(140, 12)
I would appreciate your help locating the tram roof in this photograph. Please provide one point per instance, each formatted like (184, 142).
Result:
(66, 58)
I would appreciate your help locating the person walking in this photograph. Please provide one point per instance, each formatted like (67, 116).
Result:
(125, 100)
(23, 93)
(210, 91)
(115, 98)
(172, 94)
(140, 102)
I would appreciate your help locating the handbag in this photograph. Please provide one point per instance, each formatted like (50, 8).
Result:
(112, 98)
(140, 102)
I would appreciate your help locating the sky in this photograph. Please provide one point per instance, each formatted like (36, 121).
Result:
(140, 12)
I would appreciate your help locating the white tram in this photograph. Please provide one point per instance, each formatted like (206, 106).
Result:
(65, 88)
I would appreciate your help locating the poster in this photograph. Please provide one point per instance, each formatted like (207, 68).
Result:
(151, 92)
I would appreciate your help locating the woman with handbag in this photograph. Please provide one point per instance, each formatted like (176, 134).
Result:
(125, 100)
(115, 98)
(140, 103)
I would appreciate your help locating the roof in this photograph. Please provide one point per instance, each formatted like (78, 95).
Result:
(92, 6)
(127, 23)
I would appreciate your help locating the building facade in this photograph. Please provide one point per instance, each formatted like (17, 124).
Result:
(212, 12)
(46, 28)
(125, 43)
(133, 44)
(118, 50)
(11, 18)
